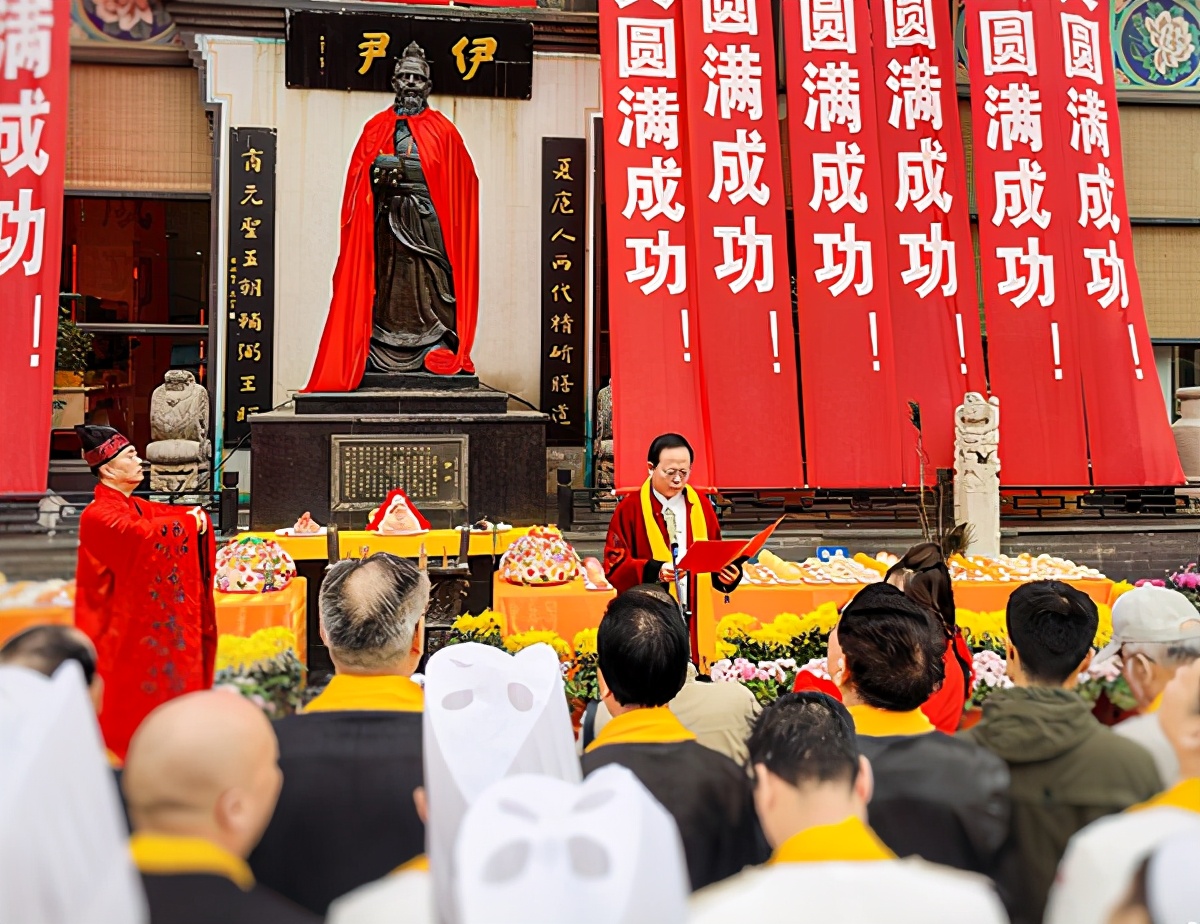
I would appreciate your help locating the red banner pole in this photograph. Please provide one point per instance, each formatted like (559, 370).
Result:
(34, 59)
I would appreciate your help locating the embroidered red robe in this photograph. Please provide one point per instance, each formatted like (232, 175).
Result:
(144, 596)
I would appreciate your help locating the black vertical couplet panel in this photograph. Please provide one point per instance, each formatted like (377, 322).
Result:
(563, 229)
(250, 280)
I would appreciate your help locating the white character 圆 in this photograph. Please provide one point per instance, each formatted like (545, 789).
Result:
(916, 93)
(909, 22)
(1027, 270)
(836, 177)
(1108, 275)
(855, 261)
(22, 229)
(834, 98)
(668, 262)
(646, 48)
(1096, 200)
(731, 16)
(756, 256)
(651, 117)
(940, 270)
(827, 25)
(734, 81)
(1089, 121)
(1019, 195)
(921, 176)
(21, 125)
(736, 168)
(1014, 116)
(1008, 46)
(651, 190)
(1081, 48)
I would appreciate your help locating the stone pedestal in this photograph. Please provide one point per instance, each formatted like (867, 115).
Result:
(506, 450)
(1187, 433)
(977, 471)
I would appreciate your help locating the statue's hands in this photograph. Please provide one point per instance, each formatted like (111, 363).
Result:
(201, 519)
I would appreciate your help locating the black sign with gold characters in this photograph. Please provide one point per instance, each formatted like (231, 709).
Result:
(250, 280)
(357, 51)
(564, 210)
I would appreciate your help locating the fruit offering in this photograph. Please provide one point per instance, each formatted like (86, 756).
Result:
(251, 565)
(540, 557)
(771, 569)
(1023, 567)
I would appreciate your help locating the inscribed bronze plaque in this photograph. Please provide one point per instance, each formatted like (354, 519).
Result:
(432, 470)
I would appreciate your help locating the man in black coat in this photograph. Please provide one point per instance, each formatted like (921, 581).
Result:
(643, 652)
(352, 760)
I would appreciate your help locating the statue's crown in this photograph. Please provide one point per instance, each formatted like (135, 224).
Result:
(413, 59)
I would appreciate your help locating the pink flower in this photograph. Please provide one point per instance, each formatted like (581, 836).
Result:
(125, 13)
(747, 670)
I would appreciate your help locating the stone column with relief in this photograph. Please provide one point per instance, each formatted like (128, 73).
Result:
(977, 471)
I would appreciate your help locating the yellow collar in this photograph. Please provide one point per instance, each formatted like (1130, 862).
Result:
(880, 723)
(849, 839)
(655, 725)
(1184, 795)
(1154, 705)
(170, 855)
(419, 863)
(349, 692)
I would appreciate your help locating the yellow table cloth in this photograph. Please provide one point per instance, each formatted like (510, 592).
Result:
(437, 542)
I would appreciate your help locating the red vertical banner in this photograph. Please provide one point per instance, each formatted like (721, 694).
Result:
(34, 57)
(935, 303)
(1031, 325)
(846, 354)
(739, 226)
(651, 295)
(1128, 431)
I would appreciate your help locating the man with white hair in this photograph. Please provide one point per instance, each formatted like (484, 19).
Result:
(1156, 631)
(352, 760)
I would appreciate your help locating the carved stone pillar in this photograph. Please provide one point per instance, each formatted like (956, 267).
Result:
(977, 471)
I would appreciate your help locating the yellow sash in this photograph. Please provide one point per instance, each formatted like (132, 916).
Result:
(348, 693)
(1183, 795)
(660, 550)
(169, 855)
(652, 725)
(847, 840)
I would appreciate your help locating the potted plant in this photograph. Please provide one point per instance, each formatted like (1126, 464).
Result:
(71, 354)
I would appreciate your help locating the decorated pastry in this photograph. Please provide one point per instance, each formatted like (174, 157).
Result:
(542, 556)
(396, 516)
(306, 526)
(250, 565)
(594, 575)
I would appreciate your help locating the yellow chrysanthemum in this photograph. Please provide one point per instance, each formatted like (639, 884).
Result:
(483, 624)
(768, 636)
(823, 619)
(736, 624)
(788, 624)
(1119, 588)
(726, 650)
(522, 640)
(584, 642)
(236, 652)
(1104, 629)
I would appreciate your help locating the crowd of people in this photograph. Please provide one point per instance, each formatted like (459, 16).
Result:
(464, 796)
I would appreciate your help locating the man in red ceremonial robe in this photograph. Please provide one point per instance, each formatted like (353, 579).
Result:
(406, 285)
(652, 530)
(143, 590)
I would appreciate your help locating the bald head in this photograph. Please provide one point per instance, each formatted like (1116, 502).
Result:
(45, 648)
(204, 765)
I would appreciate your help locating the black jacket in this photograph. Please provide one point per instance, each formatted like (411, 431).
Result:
(346, 815)
(709, 796)
(940, 798)
(206, 898)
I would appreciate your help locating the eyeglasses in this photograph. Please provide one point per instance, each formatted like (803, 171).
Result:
(672, 473)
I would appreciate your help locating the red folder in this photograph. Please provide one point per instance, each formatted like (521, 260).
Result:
(712, 555)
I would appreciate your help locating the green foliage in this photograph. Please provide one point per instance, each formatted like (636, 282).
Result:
(74, 345)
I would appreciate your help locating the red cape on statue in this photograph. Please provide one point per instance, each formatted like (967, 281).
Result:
(454, 190)
(144, 596)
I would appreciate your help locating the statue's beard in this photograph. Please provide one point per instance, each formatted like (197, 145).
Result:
(410, 102)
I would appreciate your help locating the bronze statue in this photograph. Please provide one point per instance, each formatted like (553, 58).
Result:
(412, 191)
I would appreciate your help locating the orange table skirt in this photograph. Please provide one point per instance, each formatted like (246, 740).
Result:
(564, 609)
(237, 614)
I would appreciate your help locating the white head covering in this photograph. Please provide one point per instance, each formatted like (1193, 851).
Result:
(21, 688)
(488, 715)
(64, 853)
(1172, 890)
(531, 848)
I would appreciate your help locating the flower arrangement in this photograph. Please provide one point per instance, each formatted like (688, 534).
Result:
(522, 640)
(582, 682)
(788, 637)
(991, 673)
(767, 680)
(264, 668)
(989, 631)
(485, 629)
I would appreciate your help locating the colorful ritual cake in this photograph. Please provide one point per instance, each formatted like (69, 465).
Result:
(250, 565)
(541, 557)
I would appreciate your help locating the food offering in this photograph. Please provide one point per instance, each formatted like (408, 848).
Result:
(593, 575)
(485, 526)
(1021, 568)
(250, 565)
(771, 569)
(541, 558)
(397, 516)
(305, 526)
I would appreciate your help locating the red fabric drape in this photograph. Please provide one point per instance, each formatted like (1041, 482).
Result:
(454, 190)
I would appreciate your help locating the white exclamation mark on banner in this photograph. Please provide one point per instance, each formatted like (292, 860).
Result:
(1057, 354)
(775, 339)
(34, 359)
(1137, 359)
(962, 344)
(874, 341)
(687, 336)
